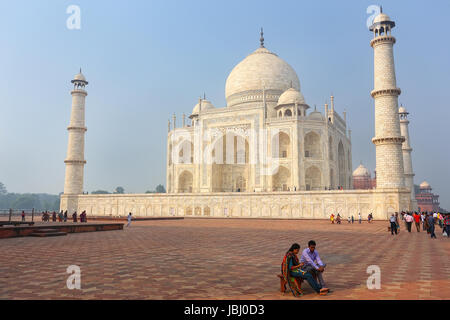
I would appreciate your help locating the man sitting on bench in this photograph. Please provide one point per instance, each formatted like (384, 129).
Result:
(312, 263)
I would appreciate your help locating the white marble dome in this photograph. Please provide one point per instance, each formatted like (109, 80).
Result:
(315, 115)
(291, 96)
(402, 110)
(382, 17)
(206, 104)
(258, 69)
(79, 77)
(361, 171)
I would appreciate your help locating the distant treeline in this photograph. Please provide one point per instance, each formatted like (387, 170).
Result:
(44, 201)
(38, 201)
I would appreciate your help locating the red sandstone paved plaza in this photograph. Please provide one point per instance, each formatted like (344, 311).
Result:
(223, 259)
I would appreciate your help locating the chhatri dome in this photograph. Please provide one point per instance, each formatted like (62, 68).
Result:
(425, 186)
(202, 105)
(260, 69)
(291, 96)
(361, 171)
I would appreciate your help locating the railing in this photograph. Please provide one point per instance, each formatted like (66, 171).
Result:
(9, 214)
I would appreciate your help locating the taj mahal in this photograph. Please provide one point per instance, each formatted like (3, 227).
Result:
(267, 153)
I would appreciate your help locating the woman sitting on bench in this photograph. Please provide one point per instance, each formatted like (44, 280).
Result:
(291, 270)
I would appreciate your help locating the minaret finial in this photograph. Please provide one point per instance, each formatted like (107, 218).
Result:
(262, 38)
(80, 69)
(204, 95)
(381, 9)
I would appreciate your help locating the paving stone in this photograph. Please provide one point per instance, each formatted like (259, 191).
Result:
(223, 259)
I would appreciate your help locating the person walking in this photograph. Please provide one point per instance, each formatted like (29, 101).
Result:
(417, 221)
(430, 221)
(409, 220)
(359, 218)
(74, 216)
(440, 220)
(393, 222)
(129, 219)
(349, 219)
(447, 224)
(65, 216)
(422, 218)
(353, 219)
(397, 223)
(23, 215)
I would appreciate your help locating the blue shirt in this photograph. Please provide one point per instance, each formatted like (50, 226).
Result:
(311, 258)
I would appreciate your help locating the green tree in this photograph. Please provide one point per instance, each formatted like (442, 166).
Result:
(3, 190)
(26, 201)
(160, 189)
(120, 190)
(148, 191)
(100, 192)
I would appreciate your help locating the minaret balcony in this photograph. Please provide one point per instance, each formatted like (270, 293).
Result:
(385, 92)
(382, 39)
(388, 140)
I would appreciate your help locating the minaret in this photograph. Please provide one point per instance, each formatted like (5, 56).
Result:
(388, 139)
(406, 148)
(332, 108)
(75, 162)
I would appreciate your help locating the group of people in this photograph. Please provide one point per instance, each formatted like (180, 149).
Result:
(61, 216)
(350, 219)
(309, 267)
(428, 220)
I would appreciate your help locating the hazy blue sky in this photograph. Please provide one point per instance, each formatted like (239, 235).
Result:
(145, 60)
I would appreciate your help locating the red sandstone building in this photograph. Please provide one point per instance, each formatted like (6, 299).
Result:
(362, 179)
(426, 200)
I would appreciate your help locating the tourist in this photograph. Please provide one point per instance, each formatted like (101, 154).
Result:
(430, 221)
(422, 217)
(353, 219)
(349, 219)
(440, 220)
(23, 215)
(332, 218)
(60, 216)
(426, 224)
(409, 220)
(397, 223)
(54, 216)
(447, 224)
(338, 219)
(129, 219)
(417, 221)
(393, 222)
(359, 217)
(291, 269)
(65, 216)
(74, 216)
(312, 263)
(83, 217)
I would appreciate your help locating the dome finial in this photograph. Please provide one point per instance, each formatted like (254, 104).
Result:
(381, 9)
(262, 38)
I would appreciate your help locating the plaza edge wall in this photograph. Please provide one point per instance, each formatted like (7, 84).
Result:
(279, 205)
